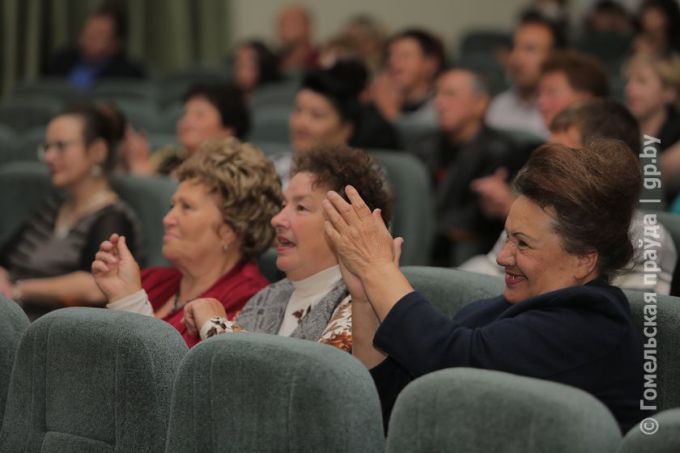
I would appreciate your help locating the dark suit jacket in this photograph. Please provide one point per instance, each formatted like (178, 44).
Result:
(581, 336)
(456, 205)
(118, 67)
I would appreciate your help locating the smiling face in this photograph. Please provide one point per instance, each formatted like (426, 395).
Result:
(194, 227)
(315, 121)
(645, 92)
(301, 243)
(200, 121)
(534, 257)
(68, 158)
(409, 65)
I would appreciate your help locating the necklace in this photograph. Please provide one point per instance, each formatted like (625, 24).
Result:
(68, 215)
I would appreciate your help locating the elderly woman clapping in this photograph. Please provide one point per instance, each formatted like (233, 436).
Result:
(217, 225)
(558, 318)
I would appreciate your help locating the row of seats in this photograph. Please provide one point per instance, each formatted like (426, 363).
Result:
(24, 184)
(95, 380)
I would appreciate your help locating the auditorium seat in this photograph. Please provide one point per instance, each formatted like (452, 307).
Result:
(665, 439)
(24, 114)
(250, 392)
(413, 211)
(270, 124)
(13, 323)
(478, 411)
(92, 380)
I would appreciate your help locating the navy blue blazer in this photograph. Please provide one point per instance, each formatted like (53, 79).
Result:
(581, 336)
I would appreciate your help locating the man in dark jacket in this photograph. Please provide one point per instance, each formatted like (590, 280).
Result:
(100, 53)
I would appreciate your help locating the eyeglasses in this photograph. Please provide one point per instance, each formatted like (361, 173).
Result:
(60, 146)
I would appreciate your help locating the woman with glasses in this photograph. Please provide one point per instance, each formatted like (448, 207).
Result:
(46, 264)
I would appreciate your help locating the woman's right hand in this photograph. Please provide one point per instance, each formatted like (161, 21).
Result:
(198, 311)
(115, 270)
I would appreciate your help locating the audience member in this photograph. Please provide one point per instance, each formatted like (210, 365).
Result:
(575, 127)
(210, 112)
(609, 16)
(652, 89)
(658, 27)
(294, 30)
(328, 111)
(405, 89)
(463, 150)
(517, 108)
(558, 318)
(100, 53)
(218, 224)
(46, 265)
(370, 37)
(255, 65)
(566, 78)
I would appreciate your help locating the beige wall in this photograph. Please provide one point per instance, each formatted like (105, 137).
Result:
(254, 18)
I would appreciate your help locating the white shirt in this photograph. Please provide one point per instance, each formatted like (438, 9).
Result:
(509, 111)
(306, 294)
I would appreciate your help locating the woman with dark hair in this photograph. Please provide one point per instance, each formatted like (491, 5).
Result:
(328, 112)
(658, 27)
(46, 265)
(558, 318)
(211, 112)
(255, 65)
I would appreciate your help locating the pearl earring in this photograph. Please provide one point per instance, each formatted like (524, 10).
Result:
(225, 247)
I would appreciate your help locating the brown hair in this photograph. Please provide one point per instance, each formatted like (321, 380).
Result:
(583, 72)
(594, 191)
(335, 167)
(247, 184)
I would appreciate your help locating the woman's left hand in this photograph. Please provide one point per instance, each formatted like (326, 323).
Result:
(359, 236)
(199, 311)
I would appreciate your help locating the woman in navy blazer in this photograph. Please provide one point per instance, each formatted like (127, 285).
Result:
(558, 318)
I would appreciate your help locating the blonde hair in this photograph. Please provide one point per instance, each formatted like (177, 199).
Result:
(247, 185)
(666, 68)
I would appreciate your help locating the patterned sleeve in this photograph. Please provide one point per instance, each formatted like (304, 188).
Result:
(338, 332)
(218, 325)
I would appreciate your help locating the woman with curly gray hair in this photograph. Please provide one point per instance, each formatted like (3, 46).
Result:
(218, 223)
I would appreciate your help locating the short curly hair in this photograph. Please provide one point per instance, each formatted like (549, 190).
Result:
(335, 167)
(248, 187)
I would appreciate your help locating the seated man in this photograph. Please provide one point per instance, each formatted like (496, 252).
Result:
(575, 127)
(464, 149)
(100, 53)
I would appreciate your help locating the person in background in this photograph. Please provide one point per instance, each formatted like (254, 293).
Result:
(463, 149)
(254, 66)
(211, 112)
(404, 91)
(46, 264)
(100, 53)
(517, 107)
(328, 111)
(294, 31)
(567, 77)
(575, 127)
(218, 224)
(658, 27)
(558, 318)
(609, 16)
(370, 37)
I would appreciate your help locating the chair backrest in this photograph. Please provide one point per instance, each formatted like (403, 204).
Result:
(413, 213)
(13, 323)
(270, 124)
(449, 290)
(24, 114)
(264, 393)
(149, 197)
(660, 435)
(471, 410)
(88, 379)
(23, 185)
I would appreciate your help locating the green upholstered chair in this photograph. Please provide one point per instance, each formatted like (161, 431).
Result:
(664, 439)
(469, 410)
(24, 114)
(23, 186)
(13, 323)
(270, 124)
(262, 393)
(149, 197)
(413, 211)
(267, 264)
(92, 380)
